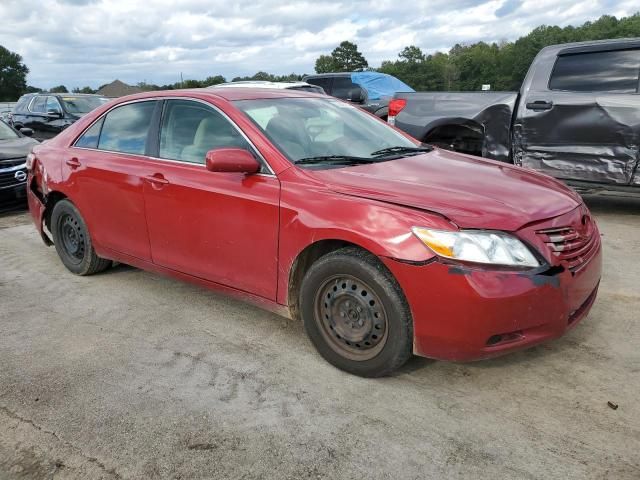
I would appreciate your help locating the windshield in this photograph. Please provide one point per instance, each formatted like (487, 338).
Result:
(82, 105)
(305, 128)
(6, 132)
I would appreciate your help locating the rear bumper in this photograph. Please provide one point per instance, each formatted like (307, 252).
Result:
(36, 209)
(463, 313)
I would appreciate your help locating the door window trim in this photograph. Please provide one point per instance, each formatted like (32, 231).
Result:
(155, 128)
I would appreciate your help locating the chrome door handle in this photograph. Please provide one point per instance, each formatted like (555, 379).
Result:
(157, 179)
(73, 162)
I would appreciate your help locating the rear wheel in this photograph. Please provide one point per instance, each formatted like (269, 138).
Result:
(355, 313)
(72, 241)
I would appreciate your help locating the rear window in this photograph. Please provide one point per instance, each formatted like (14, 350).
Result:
(125, 129)
(615, 71)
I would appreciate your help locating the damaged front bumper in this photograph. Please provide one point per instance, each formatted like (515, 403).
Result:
(469, 312)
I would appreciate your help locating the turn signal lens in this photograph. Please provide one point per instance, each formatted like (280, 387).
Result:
(30, 161)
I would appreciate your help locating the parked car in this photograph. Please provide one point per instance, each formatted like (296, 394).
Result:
(47, 114)
(369, 90)
(309, 206)
(14, 147)
(6, 108)
(575, 116)
(302, 86)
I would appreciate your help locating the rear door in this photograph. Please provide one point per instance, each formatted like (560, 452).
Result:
(35, 117)
(584, 124)
(105, 170)
(222, 227)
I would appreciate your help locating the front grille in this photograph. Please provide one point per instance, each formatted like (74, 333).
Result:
(8, 179)
(12, 162)
(572, 245)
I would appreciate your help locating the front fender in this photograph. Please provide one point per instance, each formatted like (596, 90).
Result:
(309, 215)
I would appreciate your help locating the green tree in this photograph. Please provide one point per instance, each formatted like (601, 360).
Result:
(326, 64)
(213, 80)
(412, 54)
(84, 90)
(59, 89)
(347, 58)
(13, 75)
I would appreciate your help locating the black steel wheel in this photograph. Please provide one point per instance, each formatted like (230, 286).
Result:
(72, 236)
(352, 317)
(355, 313)
(73, 242)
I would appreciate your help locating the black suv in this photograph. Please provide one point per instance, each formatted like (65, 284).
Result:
(47, 114)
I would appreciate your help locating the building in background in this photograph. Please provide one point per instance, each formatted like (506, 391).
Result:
(118, 89)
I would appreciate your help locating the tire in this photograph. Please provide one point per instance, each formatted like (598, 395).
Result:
(355, 313)
(73, 242)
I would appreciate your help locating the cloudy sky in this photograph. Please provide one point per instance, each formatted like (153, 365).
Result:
(91, 42)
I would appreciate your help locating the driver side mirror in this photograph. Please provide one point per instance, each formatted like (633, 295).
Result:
(27, 132)
(356, 95)
(54, 114)
(231, 160)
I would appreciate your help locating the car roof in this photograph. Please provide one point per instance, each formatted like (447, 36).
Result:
(594, 46)
(35, 94)
(249, 93)
(262, 84)
(336, 74)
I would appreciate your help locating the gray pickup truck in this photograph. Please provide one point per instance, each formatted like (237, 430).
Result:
(576, 116)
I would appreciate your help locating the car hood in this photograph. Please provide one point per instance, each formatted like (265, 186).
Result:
(16, 147)
(470, 191)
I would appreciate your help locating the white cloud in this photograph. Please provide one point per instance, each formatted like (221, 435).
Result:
(90, 42)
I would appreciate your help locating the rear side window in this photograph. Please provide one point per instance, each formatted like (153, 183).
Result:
(615, 71)
(325, 83)
(38, 104)
(126, 128)
(89, 138)
(342, 87)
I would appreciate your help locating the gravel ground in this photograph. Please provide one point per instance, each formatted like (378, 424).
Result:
(131, 375)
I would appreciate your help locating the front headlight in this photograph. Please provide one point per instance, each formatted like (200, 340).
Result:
(478, 246)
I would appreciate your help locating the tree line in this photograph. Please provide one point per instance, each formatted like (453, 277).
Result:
(502, 65)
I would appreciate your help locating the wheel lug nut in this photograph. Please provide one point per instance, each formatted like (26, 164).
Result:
(359, 309)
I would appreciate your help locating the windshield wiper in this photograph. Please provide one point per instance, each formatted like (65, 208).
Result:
(400, 150)
(334, 159)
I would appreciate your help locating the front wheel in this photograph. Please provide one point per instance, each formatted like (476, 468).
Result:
(72, 241)
(355, 313)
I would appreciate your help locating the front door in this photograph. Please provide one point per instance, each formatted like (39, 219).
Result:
(583, 125)
(221, 227)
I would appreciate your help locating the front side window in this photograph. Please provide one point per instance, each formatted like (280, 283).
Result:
(615, 71)
(321, 127)
(126, 128)
(190, 129)
(53, 105)
(38, 104)
(82, 105)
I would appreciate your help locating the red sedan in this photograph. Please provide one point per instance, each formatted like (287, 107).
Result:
(315, 209)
